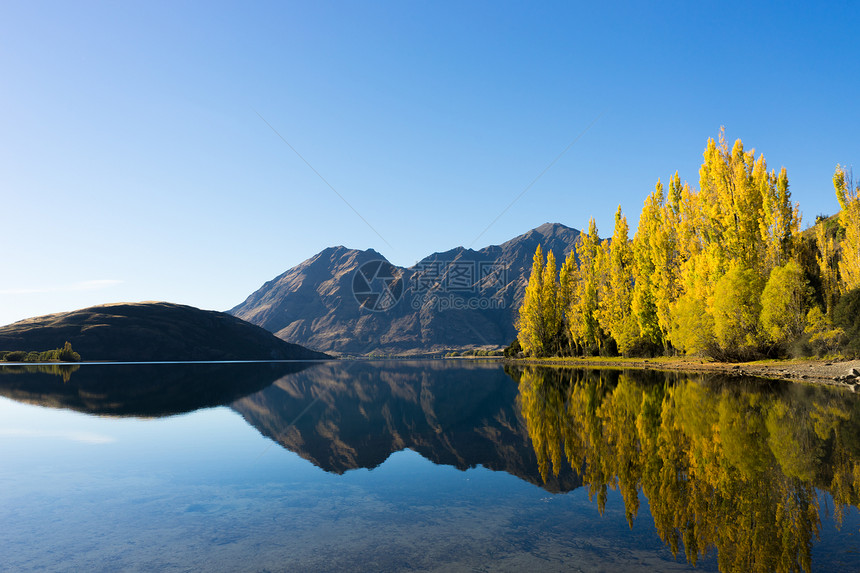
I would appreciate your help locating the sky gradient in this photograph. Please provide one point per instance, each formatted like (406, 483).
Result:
(138, 161)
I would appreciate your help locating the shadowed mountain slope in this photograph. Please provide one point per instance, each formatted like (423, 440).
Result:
(151, 331)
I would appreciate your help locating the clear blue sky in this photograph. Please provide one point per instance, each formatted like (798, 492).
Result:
(134, 165)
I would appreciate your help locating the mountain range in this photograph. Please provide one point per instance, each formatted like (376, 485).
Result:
(352, 302)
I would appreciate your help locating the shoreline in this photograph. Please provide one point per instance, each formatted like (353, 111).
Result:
(843, 373)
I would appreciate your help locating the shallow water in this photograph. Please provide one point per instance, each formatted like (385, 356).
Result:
(386, 466)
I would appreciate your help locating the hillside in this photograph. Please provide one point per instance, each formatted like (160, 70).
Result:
(151, 331)
(455, 299)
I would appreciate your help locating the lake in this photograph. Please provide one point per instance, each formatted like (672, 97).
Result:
(422, 465)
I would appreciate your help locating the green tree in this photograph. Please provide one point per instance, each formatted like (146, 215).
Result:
(736, 310)
(827, 267)
(823, 336)
(846, 316)
(785, 303)
(693, 330)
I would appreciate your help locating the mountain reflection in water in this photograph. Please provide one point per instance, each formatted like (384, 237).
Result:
(355, 416)
(743, 470)
(739, 466)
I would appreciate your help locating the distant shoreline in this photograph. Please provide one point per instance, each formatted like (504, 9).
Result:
(844, 373)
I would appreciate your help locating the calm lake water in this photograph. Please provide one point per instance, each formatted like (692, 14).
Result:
(433, 465)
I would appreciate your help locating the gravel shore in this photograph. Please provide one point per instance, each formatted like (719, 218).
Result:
(836, 373)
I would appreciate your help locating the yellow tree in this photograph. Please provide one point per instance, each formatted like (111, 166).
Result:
(615, 306)
(732, 205)
(785, 303)
(644, 301)
(742, 219)
(552, 312)
(663, 239)
(827, 267)
(849, 199)
(567, 276)
(780, 221)
(672, 262)
(584, 324)
(574, 319)
(690, 325)
(658, 253)
(531, 328)
(736, 311)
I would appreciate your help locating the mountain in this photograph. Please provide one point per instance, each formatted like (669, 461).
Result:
(151, 331)
(356, 302)
(348, 415)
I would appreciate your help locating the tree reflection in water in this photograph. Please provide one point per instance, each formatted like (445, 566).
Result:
(736, 465)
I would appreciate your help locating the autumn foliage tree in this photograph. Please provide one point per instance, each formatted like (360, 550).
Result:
(540, 316)
(719, 270)
(531, 327)
(848, 196)
(615, 306)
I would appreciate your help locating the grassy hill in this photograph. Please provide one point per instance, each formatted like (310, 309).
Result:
(151, 331)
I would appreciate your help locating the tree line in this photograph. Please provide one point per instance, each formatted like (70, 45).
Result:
(64, 354)
(723, 270)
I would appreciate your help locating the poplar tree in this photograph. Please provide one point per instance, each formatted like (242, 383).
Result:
(663, 240)
(785, 303)
(720, 270)
(780, 224)
(574, 320)
(827, 268)
(552, 312)
(732, 205)
(849, 219)
(615, 306)
(583, 322)
(644, 304)
(566, 277)
(736, 311)
(660, 246)
(531, 331)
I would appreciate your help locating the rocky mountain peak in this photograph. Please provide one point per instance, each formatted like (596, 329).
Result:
(455, 299)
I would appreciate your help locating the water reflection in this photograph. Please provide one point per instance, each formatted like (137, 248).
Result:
(339, 416)
(735, 466)
(145, 390)
(64, 371)
(343, 417)
(748, 471)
